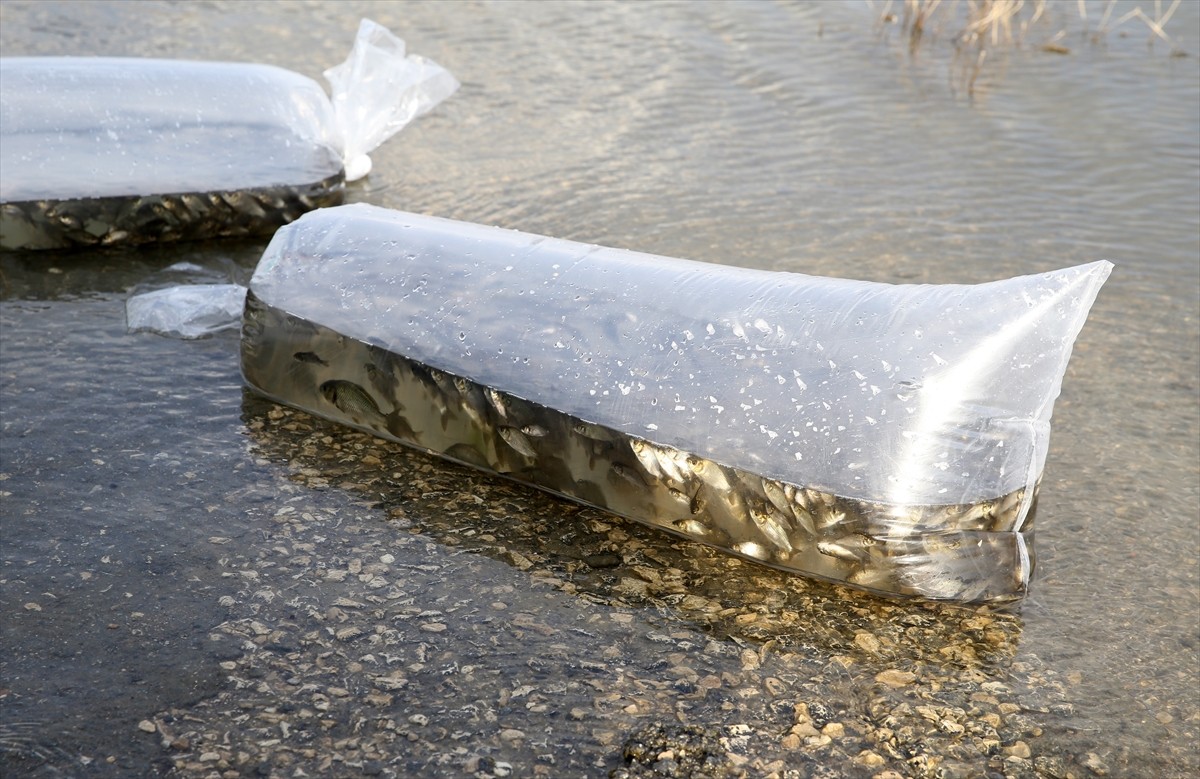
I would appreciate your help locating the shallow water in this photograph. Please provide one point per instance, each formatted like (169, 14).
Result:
(141, 486)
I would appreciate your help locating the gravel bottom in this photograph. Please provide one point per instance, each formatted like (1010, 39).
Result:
(397, 615)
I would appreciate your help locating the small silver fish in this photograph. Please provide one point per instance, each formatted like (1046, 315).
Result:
(772, 525)
(671, 461)
(356, 403)
(629, 474)
(593, 431)
(644, 452)
(497, 401)
(679, 495)
(517, 440)
(852, 548)
(753, 549)
(691, 526)
(309, 357)
(837, 551)
(775, 493)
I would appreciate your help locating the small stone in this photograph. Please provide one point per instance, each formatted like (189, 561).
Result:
(869, 759)
(804, 730)
(519, 560)
(32, 607)
(867, 641)
(1052, 767)
(146, 726)
(895, 678)
(736, 760)
(181, 744)
(392, 682)
(775, 687)
(834, 730)
(952, 727)
(209, 757)
(1019, 749)
(511, 734)
(433, 627)
(1093, 763)
(790, 741)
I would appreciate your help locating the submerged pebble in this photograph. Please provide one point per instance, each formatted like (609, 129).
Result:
(496, 646)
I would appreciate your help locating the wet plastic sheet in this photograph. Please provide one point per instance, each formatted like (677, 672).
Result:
(891, 437)
(100, 150)
(186, 311)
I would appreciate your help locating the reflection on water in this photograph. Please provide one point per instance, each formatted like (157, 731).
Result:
(182, 557)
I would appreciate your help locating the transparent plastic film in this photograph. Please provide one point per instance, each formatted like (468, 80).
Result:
(378, 90)
(889, 437)
(122, 150)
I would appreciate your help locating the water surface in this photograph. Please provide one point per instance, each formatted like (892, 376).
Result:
(154, 513)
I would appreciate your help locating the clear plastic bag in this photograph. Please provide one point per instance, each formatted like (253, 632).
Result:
(891, 437)
(378, 90)
(100, 150)
(186, 311)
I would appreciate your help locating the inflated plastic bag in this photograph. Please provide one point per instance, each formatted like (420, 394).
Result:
(891, 437)
(100, 150)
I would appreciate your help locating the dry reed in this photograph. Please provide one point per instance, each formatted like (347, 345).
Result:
(978, 26)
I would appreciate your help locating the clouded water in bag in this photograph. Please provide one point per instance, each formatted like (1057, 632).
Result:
(250, 583)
